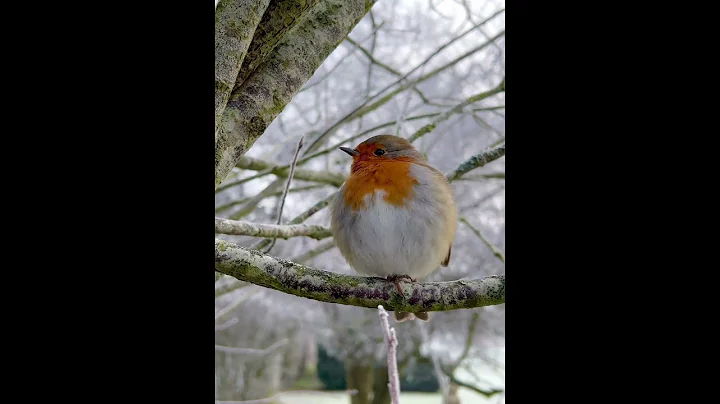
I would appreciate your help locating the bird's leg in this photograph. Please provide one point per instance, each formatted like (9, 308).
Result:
(396, 280)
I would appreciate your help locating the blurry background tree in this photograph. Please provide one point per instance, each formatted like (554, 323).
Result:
(338, 72)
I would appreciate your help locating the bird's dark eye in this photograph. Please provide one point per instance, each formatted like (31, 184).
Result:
(379, 152)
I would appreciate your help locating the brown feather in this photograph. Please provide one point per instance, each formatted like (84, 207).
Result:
(446, 261)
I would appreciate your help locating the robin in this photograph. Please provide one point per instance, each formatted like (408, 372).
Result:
(395, 216)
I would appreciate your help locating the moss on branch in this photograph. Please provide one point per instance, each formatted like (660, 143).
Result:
(303, 281)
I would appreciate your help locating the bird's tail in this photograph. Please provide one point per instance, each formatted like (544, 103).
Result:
(401, 316)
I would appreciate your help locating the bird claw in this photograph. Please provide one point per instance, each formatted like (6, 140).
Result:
(396, 280)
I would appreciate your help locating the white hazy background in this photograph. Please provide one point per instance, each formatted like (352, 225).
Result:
(404, 34)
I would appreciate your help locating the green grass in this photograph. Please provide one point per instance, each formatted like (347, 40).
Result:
(322, 397)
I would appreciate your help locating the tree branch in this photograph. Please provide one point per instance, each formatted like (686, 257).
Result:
(496, 251)
(279, 20)
(229, 287)
(264, 94)
(364, 108)
(242, 228)
(252, 203)
(235, 23)
(476, 161)
(468, 341)
(324, 177)
(299, 218)
(475, 98)
(230, 204)
(391, 342)
(250, 351)
(287, 187)
(486, 393)
(308, 255)
(234, 305)
(227, 324)
(299, 280)
(473, 162)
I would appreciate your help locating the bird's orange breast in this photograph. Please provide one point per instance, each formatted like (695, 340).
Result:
(393, 177)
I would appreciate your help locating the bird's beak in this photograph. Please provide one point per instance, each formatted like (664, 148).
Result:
(350, 151)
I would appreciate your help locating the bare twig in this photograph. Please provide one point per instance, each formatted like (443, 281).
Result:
(486, 393)
(496, 251)
(252, 203)
(474, 320)
(229, 205)
(241, 228)
(333, 148)
(300, 218)
(443, 16)
(372, 59)
(437, 366)
(308, 255)
(226, 324)
(287, 187)
(251, 351)
(488, 196)
(497, 142)
(300, 280)
(443, 117)
(410, 84)
(476, 161)
(364, 107)
(229, 287)
(234, 305)
(325, 177)
(391, 342)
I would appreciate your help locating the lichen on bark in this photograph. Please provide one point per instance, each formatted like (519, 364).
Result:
(235, 22)
(264, 94)
(279, 20)
(300, 280)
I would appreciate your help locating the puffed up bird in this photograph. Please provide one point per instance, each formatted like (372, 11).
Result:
(395, 216)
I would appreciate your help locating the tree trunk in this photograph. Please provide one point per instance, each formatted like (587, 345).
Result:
(381, 392)
(266, 90)
(359, 377)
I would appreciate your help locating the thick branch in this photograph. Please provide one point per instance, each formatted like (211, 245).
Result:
(242, 228)
(323, 177)
(278, 22)
(299, 280)
(476, 161)
(235, 23)
(264, 94)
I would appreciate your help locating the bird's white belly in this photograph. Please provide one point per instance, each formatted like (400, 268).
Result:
(384, 239)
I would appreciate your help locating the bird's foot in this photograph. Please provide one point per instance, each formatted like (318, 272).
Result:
(396, 280)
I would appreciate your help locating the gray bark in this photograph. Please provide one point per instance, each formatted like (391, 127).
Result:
(299, 280)
(264, 94)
